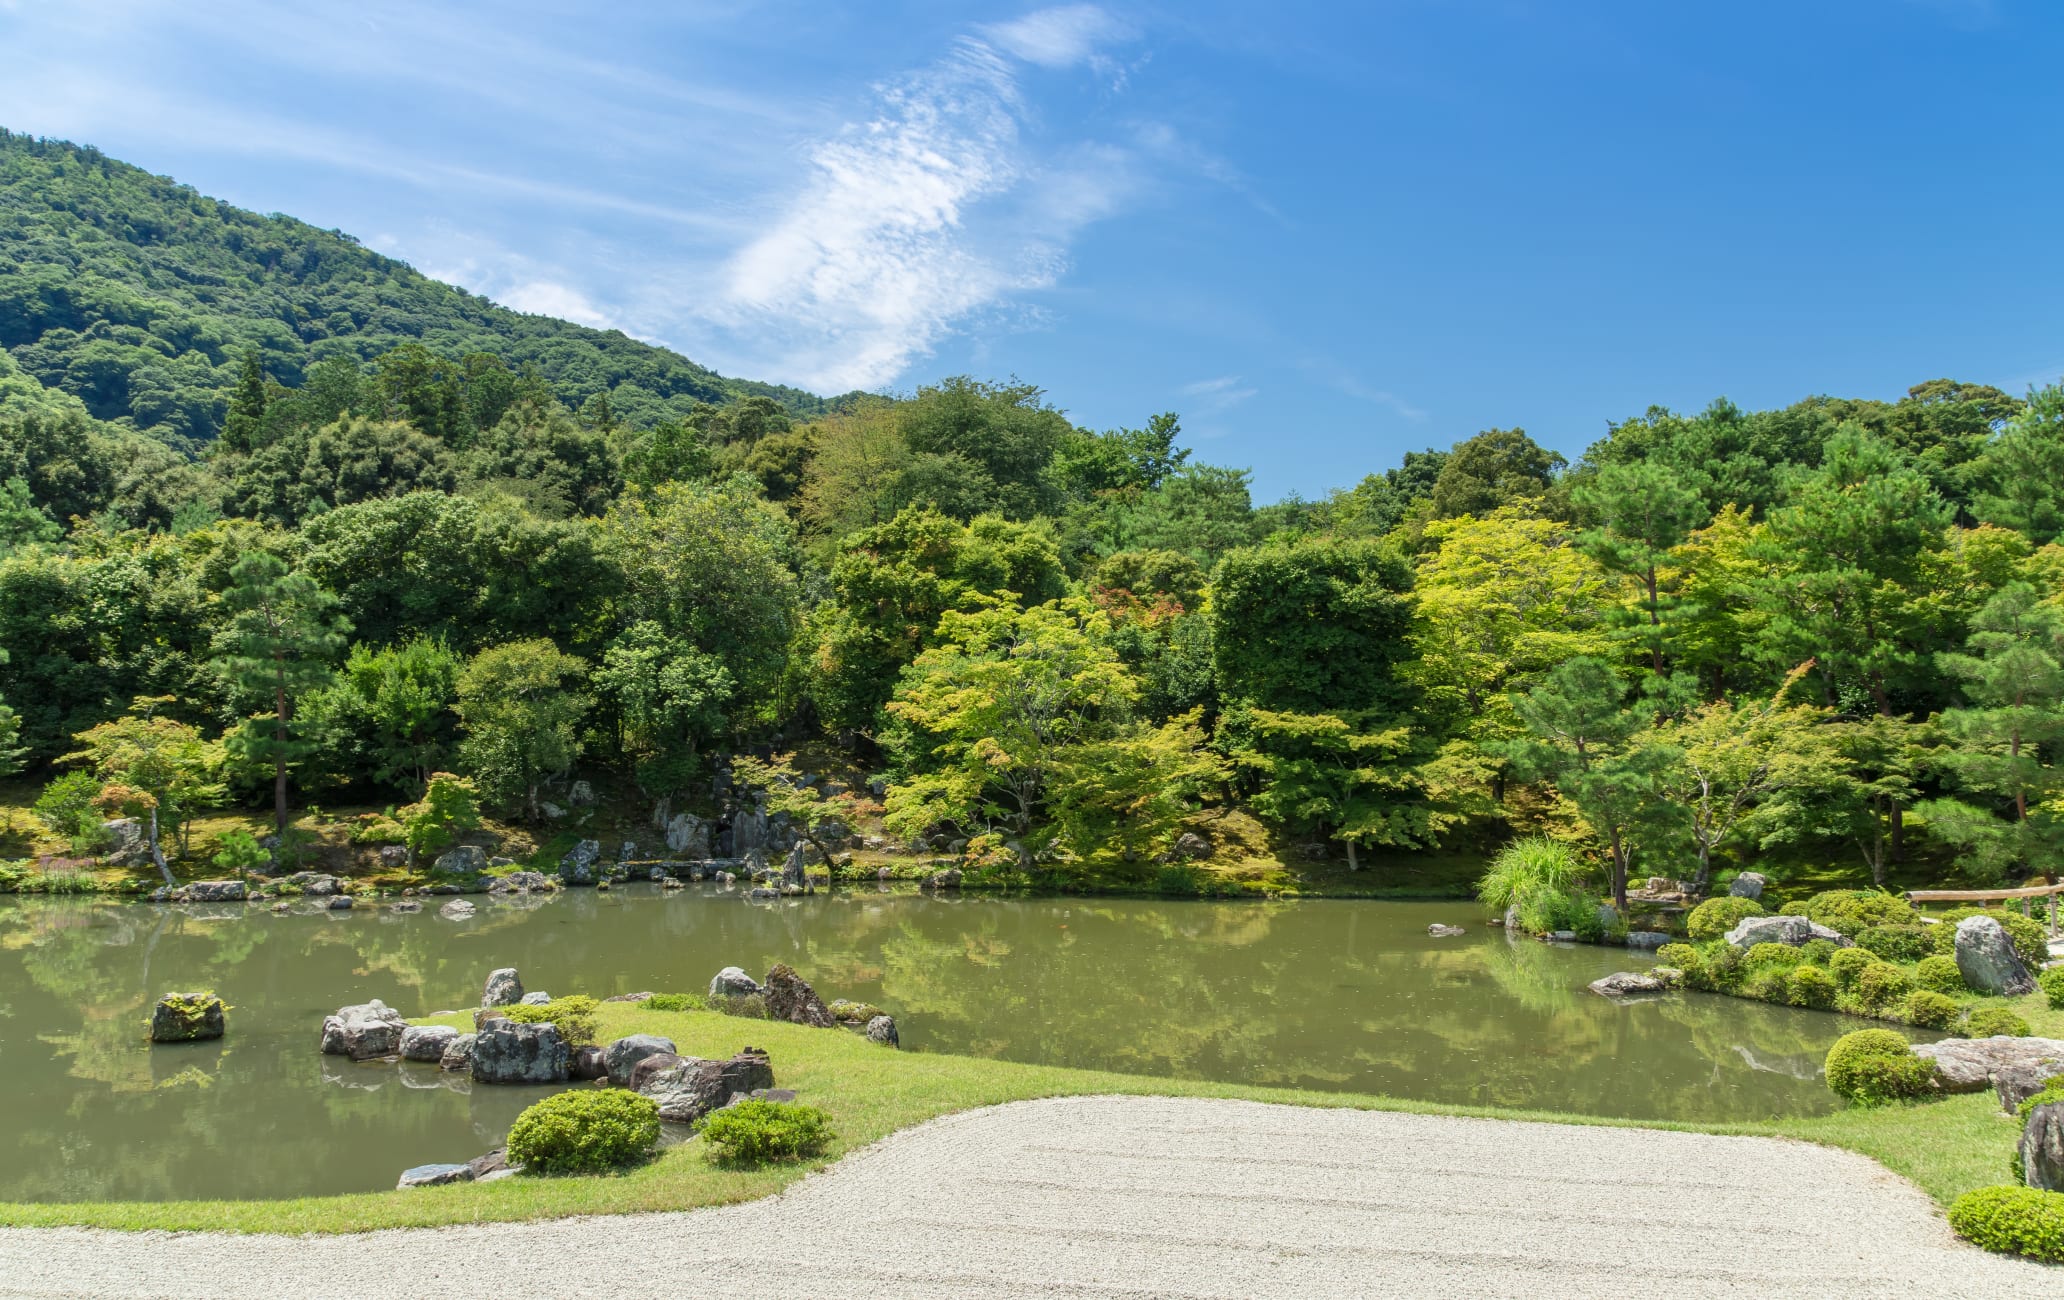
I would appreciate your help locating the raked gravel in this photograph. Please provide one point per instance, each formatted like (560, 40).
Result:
(1148, 1197)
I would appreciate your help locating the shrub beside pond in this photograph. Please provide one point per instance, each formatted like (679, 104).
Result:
(585, 1131)
(575, 1017)
(1716, 916)
(1873, 1066)
(1929, 1009)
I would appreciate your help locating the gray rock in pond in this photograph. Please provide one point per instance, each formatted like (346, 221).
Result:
(406, 905)
(1441, 930)
(1749, 884)
(465, 860)
(1563, 936)
(504, 988)
(186, 1018)
(1986, 958)
(339, 903)
(947, 879)
(578, 867)
(518, 882)
(882, 1029)
(426, 1042)
(621, 1056)
(1625, 983)
(1647, 939)
(434, 1176)
(457, 910)
(215, 891)
(1796, 931)
(507, 1052)
(1971, 1064)
(458, 1053)
(2042, 1148)
(587, 1063)
(538, 998)
(363, 1031)
(315, 884)
(789, 997)
(731, 982)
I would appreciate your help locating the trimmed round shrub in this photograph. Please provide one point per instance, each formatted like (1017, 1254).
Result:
(1939, 974)
(585, 1131)
(755, 1132)
(2029, 937)
(1852, 911)
(1873, 1066)
(1680, 955)
(1928, 1009)
(574, 1015)
(1897, 942)
(1716, 916)
(2052, 982)
(1847, 964)
(1817, 952)
(2013, 1221)
(1764, 956)
(1797, 907)
(1810, 986)
(1995, 1022)
(1881, 985)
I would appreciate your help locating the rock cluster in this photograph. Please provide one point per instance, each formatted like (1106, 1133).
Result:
(364, 1031)
(692, 1089)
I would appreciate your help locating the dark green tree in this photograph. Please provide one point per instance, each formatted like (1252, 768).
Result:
(277, 644)
(1639, 511)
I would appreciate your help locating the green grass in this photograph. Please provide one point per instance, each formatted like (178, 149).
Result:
(1946, 1147)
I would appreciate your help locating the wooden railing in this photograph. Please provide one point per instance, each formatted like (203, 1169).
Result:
(2027, 894)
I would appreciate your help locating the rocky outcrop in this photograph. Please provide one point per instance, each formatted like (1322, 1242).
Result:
(458, 1053)
(578, 867)
(214, 891)
(731, 982)
(519, 882)
(1794, 930)
(1190, 845)
(789, 997)
(659, 1062)
(186, 1018)
(2019, 1081)
(465, 860)
(2042, 1148)
(315, 884)
(947, 879)
(1986, 958)
(1749, 884)
(688, 836)
(504, 988)
(1439, 930)
(507, 1052)
(434, 1176)
(1624, 983)
(1972, 1064)
(691, 1090)
(882, 1029)
(426, 1042)
(364, 1031)
(619, 1057)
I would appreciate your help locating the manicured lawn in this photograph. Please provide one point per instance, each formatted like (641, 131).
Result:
(1946, 1147)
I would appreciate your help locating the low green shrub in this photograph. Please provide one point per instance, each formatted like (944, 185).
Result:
(1818, 952)
(750, 1006)
(2052, 982)
(1928, 1009)
(585, 1131)
(1896, 942)
(1873, 1066)
(1994, 1022)
(1810, 986)
(1770, 984)
(1716, 916)
(575, 1017)
(2029, 937)
(1680, 955)
(1852, 911)
(1940, 974)
(1524, 866)
(1797, 907)
(676, 1002)
(1547, 909)
(1766, 956)
(755, 1132)
(1881, 985)
(2013, 1221)
(1848, 963)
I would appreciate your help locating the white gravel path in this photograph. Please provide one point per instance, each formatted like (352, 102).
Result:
(1150, 1197)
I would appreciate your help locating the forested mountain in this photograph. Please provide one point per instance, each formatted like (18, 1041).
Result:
(139, 296)
(1832, 630)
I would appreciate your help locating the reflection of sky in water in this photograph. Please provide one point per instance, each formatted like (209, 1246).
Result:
(1310, 994)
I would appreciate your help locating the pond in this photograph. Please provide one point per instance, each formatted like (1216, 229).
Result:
(1343, 995)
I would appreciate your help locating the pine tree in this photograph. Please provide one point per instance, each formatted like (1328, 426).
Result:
(283, 631)
(243, 428)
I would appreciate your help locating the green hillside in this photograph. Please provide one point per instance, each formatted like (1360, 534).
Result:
(140, 295)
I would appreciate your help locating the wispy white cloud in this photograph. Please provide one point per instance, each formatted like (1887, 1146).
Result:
(1213, 396)
(1343, 380)
(1061, 37)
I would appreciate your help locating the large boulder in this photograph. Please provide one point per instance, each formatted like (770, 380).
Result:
(1749, 884)
(2017, 1081)
(619, 1056)
(1794, 930)
(1986, 958)
(789, 997)
(643, 1072)
(578, 867)
(2042, 1148)
(693, 1089)
(503, 989)
(731, 982)
(587, 1063)
(128, 845)
(426, 1042)
(364, 1031)
(458, 1053)
(882, 1029)
(186, 1018)
(688, 836)
(465, 860)
(507, 1052)
(1972, 1064)
(1622, 984)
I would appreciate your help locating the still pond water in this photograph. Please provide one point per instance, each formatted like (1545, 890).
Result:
(1310, 994)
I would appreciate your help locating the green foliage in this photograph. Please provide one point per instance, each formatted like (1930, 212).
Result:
(1523, 866)
(1880, 986)
(574, 1015)
(449, 807)
(2031, 941)
(1314, 626)
(2052, 1093)
(1852, 911)
(1680, 956)
(587, 1131)
(1939, 974)
(1990, 1022)
(2012, 1221)
(755, 1132)
(1810, 986)
(1716, 916)
(1907, 943)
(389, 713)
(1547, 909)
(676, 1002)
(1873, 1066)
(1929, 1010)
(66, 806)
(2052, 982)
(240, 854)
(1818, 952)
(521, 719)
(1767, 956)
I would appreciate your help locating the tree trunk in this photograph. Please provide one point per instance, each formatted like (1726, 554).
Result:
(279, 766)
(1353, 863)
(158, 854)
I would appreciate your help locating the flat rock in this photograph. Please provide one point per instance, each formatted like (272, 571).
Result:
(519, 882)
(1626, 983)
(1442, 931)
(694, 1088)
(457, 910)
(1797, 931)
(1971, 1064)
(1648, 938)
(214, 891)
(434, 1176)
(631, 997)
(426, 1042)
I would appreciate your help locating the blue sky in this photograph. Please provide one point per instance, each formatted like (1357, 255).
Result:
(1325, 234)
